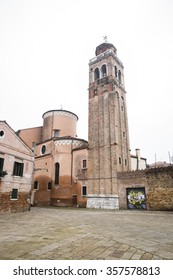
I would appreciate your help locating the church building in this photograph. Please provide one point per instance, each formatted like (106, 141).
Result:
(70, 171)
(60, 169)
(99, 173)
(65, 170)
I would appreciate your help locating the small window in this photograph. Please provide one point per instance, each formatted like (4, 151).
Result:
(119, 160)
(95, 91)
(57, 173)
(119, 76)
(1, 164)
(1, 133)
(124, 134)
(84, 164)
(14, 194)
(36, 185)
(96, 74)
(49, 186)
(1, 167)
(125, 161)
(18, 169)
(116, 72)
(122, 108)
(43, 149)
(84, 190)
(56, 133)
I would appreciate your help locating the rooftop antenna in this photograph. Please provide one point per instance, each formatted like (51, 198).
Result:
(155, 159)
(170, 158)
(105, 38)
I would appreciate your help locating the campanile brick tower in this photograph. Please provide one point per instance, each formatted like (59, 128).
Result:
(109, 149)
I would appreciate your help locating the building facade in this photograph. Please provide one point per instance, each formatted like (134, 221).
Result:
(60, 169)
(138, 162)
(16, 169)
(100, 173)
(60, 175)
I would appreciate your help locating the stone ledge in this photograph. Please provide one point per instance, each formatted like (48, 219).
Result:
(103, 201)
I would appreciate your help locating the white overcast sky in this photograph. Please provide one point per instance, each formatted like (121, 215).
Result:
(45, 47)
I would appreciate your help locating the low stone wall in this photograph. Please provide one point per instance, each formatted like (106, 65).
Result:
(131, 179)
(158, 185)
(103, 201)
(22, 203)
(160, 188)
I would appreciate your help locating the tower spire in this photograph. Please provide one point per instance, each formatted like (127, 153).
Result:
(105, 38)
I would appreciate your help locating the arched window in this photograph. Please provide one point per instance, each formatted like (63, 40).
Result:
(57, 170)
(49, 186)
(119, 76)
(116, 72)
(96, 74)
(36, 184)
(103, 70)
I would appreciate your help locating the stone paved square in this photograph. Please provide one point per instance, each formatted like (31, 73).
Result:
(74, 233)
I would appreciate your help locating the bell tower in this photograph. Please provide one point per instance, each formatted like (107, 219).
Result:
(109, 148)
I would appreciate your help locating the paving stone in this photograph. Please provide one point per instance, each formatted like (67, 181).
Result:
(137, 255)
(146, 256)
(65, 233)
(128, 254)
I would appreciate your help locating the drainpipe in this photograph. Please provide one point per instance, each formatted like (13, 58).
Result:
(71, 163)
(33, 168)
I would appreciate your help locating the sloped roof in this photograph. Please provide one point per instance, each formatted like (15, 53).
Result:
(159, 164)
(16, 136)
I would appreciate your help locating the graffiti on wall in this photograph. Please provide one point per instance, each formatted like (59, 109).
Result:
(136, 198)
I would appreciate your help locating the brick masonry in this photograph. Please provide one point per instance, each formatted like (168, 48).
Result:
(108, 151)
(160, 188)
(14, 205)
(158, 184)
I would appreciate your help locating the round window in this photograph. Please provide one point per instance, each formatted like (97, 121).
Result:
(43, 149)
(1, 133)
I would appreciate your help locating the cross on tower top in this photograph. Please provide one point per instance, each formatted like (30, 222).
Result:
(105, 38)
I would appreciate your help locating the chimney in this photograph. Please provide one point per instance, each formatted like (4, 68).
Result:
(138, 157)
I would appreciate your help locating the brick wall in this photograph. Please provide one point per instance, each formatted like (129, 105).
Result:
(158, 184)
(14, 205)
(131, 179)
(160, 188)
